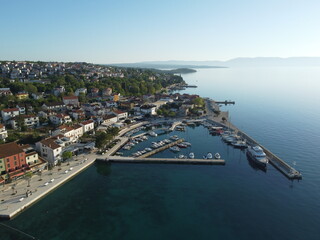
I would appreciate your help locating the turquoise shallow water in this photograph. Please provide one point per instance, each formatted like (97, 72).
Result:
(278, 107)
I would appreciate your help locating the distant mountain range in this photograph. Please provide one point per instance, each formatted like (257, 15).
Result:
(236, 62)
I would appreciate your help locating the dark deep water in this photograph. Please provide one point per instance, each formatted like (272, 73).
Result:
(279, 107)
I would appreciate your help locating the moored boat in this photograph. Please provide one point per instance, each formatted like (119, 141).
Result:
(175, 149)
(217, 156)
(257, 154)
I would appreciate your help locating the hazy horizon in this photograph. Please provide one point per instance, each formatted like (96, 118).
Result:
(106, 31)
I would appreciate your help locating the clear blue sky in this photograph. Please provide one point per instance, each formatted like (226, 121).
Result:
(110, 31)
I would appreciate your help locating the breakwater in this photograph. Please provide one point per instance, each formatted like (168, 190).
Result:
(276, 161)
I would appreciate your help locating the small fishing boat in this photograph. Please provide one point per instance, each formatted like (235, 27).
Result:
(191, 155)
(217, 156)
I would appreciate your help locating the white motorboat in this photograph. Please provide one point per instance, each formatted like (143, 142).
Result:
(209, 155)
(257, 154)
(181, 156)
(217, 156)
(175, 149)
(152, 134)
(191, 155)
(240, 144)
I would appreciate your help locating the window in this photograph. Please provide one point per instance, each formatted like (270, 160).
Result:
(15, 163)
(8, 159)
(28, 158)
(8, 165)
(15, 158)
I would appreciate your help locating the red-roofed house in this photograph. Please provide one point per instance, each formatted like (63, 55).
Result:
(73, 100)
(109, 119)
(87, 125)
(120, 114)
(50, 150)
(9, 113)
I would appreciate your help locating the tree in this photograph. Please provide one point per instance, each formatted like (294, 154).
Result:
(198, 101)
(66, 155)
(28, 177)
(102, 138)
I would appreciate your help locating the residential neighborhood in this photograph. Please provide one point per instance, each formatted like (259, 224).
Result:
(58, 107)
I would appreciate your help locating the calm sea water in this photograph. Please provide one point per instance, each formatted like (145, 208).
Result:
(278, 106)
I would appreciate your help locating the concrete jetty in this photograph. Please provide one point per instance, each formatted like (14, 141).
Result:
(120, 159)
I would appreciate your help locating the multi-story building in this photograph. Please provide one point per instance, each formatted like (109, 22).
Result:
(30, 121)
(5, 91)
(55, 106)
(109, 120)
(50, 150)
(120, 114)
(87, 125)
(58, 119)
(9, 113)
(72, 100)
(12, 156)
(3, 132)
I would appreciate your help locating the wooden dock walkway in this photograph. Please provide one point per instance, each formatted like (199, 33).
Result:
(160, 149)
(121, 159)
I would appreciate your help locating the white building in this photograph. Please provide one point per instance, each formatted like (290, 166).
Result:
(80, 90)
(148, 109)
(120, 114)
(30, 121)
(9, 113)
(109, 120)
(87, 125)
(56, 106)
(73, 100)
(3, 132)
(72, 133)
(59, 119)
(50, 150)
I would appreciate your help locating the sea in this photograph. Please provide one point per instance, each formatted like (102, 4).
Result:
(279, 107)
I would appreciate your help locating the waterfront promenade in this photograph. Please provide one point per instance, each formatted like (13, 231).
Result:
(18, 196)
(21, 194)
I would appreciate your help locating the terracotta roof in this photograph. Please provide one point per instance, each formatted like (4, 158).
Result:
(50, 142)
(54, 104)
(9, 149)
(77, 126)
(118, 111)
(10, 109)
(87, 122)
(109, 116)
(70, 97)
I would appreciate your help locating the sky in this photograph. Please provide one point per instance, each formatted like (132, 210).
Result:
(123, 31)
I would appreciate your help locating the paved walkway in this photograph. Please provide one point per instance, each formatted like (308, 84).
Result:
(14, 197)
